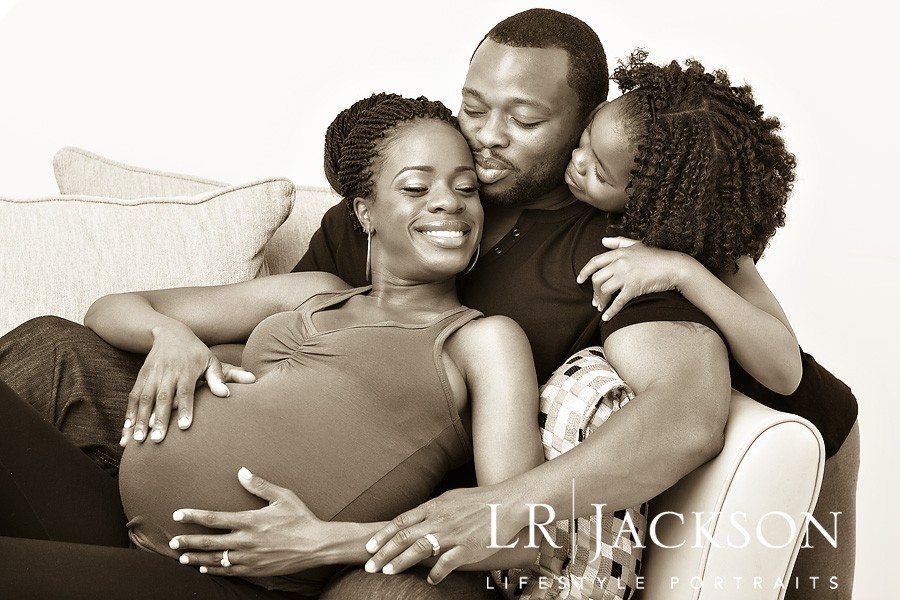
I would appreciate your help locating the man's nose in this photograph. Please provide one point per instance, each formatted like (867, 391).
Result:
(492, 133)
(579, 160)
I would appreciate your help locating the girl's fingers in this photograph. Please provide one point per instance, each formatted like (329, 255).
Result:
(594, 265)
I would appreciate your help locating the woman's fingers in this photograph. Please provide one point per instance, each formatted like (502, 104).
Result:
(413, 555)
(595, 264)
(449, 561)
(410, 517)
(165, 396)
(213, 519)
(237, 374)
(212, 559)
(184, 397)
(215, 378)
(207, 543)
(145, 407)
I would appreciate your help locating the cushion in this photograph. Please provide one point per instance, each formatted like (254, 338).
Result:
(61, 253)
(85, 173)
(576, 401)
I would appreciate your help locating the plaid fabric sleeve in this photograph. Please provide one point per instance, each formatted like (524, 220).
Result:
(589, 563)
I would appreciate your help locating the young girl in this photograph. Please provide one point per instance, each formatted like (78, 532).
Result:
(700, 176)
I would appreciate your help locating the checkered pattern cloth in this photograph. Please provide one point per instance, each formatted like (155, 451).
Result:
(578, 398)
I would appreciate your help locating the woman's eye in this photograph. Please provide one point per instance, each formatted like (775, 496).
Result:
(414, 189)
(598, 175)
(468, 189)
(473, 112)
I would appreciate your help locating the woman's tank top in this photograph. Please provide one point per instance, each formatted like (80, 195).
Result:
(358, 421)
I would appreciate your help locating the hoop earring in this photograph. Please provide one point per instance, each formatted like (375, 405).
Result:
(474, 260)
(369, 257)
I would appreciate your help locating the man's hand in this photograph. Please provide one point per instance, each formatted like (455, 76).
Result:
(281, 538)
(459, 519)
(177, 360)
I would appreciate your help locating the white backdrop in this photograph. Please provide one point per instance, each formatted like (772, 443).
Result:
(242, 90)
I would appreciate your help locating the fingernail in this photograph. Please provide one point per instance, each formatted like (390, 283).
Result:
(139, 435)
(124, 440)
(594, 302)
(156, 435)
(429, 580)
(173, 544)
(227, 392)
(370, 567)
(578, 280)
(372, 546)
(178, 515)
(183, 422)
(183, 559)
(605, 317)
(388, 569)
(244, 474)
(204, 570)
(128, 424)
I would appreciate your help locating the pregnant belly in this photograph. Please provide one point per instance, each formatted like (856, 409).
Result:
(329, 453)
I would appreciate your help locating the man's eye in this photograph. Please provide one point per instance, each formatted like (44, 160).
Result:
(526, 124)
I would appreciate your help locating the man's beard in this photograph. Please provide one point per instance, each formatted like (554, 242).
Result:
(529, 186)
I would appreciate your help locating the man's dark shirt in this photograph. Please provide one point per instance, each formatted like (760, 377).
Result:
(529, 276)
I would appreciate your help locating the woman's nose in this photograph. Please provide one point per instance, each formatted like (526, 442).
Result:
(446, 201)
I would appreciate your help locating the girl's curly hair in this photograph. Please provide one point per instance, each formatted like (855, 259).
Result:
(712, 175)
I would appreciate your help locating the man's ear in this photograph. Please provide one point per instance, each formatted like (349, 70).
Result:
(361, 210)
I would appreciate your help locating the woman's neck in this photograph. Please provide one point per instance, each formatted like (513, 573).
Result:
(392, 292)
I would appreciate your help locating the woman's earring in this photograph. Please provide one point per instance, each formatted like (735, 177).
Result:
(474, 260)
(369, 257)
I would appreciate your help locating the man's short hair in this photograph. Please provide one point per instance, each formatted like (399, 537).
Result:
(545, 28)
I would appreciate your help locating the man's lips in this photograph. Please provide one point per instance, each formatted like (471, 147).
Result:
(489, 169)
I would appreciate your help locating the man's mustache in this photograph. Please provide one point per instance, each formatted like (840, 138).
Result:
(489, 160)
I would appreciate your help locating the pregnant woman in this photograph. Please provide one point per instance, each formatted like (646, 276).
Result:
(364, 397)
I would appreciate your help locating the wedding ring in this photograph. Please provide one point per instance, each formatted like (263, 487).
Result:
(435, 545)
(225, 562)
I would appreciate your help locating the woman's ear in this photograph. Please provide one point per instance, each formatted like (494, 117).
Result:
(361, 210)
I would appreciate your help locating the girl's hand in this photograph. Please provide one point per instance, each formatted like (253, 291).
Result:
(633, 270)
(166, 381)
(460, 519)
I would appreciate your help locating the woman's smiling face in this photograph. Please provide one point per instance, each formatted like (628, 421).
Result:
(426, 216)
(601, 165)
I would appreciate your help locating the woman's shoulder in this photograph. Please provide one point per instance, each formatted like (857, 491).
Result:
(487, 339)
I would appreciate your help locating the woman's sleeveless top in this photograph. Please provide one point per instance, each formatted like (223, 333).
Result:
(358, 421)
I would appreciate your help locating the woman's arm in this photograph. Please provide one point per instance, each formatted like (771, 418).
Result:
(175, 328)
(745, 310)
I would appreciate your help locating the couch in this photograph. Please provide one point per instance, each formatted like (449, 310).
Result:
(770, 468)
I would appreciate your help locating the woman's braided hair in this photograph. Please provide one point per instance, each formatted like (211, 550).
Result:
(355, 138)
(712, 175)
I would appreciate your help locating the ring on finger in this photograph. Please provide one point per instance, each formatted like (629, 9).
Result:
(435, 545)
(225, 562)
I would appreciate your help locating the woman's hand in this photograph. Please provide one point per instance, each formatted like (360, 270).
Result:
(460, 519)
(284, 537)
(167, 381)
(633, 270)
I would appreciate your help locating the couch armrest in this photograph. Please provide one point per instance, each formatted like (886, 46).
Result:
(772, 462)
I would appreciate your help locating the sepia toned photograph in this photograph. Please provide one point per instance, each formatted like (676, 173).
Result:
(581, 300)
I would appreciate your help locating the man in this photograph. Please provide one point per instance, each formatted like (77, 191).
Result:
(530, 87)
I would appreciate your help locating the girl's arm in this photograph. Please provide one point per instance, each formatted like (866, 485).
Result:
(741, 305)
